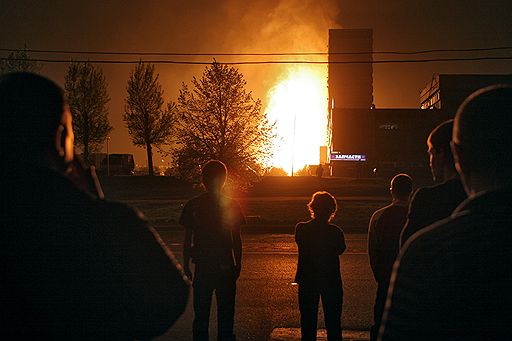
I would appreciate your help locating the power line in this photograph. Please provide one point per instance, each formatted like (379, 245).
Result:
(483, 49)
(189, 62)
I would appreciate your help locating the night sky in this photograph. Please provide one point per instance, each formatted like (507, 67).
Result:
(254, 27)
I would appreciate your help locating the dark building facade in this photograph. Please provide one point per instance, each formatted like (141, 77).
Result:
(447, 92)
(381, 141)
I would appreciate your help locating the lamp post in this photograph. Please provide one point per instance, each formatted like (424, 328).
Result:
(108, 157)
(293, 140)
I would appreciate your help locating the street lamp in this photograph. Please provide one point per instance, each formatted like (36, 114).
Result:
(293, 141)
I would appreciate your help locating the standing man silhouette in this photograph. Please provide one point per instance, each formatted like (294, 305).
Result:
(213, 241)
(452, 280)
(74, 266)
(384, 241)
(430, 204)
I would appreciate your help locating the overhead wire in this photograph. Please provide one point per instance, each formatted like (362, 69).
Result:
(140, 53)
(189, 62)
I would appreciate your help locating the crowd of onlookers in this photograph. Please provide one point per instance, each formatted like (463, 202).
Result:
(78, 267)
(442, 259)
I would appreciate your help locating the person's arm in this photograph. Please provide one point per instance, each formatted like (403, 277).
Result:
(298, 235)
(187, 247)
(186, 221)
(342, 246)
(372, 247)
(415, 217)
(237, 251)
(237, 239)
(298, 241)
(84, 178)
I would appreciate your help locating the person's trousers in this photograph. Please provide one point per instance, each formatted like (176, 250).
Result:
(332, 302)
(224, 287)
(378, 309)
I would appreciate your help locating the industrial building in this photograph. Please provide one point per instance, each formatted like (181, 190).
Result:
(447, 92)
(381, 142)
(363, 140)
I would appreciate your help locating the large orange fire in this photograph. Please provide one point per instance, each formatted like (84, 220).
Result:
(298, 105)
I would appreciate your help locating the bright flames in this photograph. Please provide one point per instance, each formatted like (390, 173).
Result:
(298, 105)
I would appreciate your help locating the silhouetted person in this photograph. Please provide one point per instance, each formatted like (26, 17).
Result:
(453, 279)
(384, 241)
(212, 239)
(320, 171)
(318, 274)
(74, 266)
(430, 204)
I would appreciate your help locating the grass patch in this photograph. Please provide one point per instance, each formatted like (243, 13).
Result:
(274, 214)
(276, 204)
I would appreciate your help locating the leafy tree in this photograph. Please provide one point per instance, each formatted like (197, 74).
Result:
(86, 92)
(149, 122)
(19, 61)
(219, 119)
(304, 171)
(277, 171)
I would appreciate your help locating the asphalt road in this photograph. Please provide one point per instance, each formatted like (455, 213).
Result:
(266, 299)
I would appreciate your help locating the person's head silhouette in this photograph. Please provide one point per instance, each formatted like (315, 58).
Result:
(401, 187)
(322, 206)
(36, 121)
(213, 176)
(482, 137)
(440, 154)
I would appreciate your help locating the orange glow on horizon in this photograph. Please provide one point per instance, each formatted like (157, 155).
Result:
(298, 105)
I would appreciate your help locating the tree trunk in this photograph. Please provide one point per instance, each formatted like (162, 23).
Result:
(86, 154)
(150, 159)
(86, 139)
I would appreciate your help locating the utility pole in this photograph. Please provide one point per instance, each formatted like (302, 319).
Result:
(293, 140)
(108, 157)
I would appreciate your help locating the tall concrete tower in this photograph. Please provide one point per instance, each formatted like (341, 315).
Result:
(351, 81)
(350, 99)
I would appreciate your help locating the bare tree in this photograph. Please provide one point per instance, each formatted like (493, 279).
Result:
(149, 122)
(86, 92)
(219, 119)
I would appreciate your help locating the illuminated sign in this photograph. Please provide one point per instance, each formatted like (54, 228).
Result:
(348, 157)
